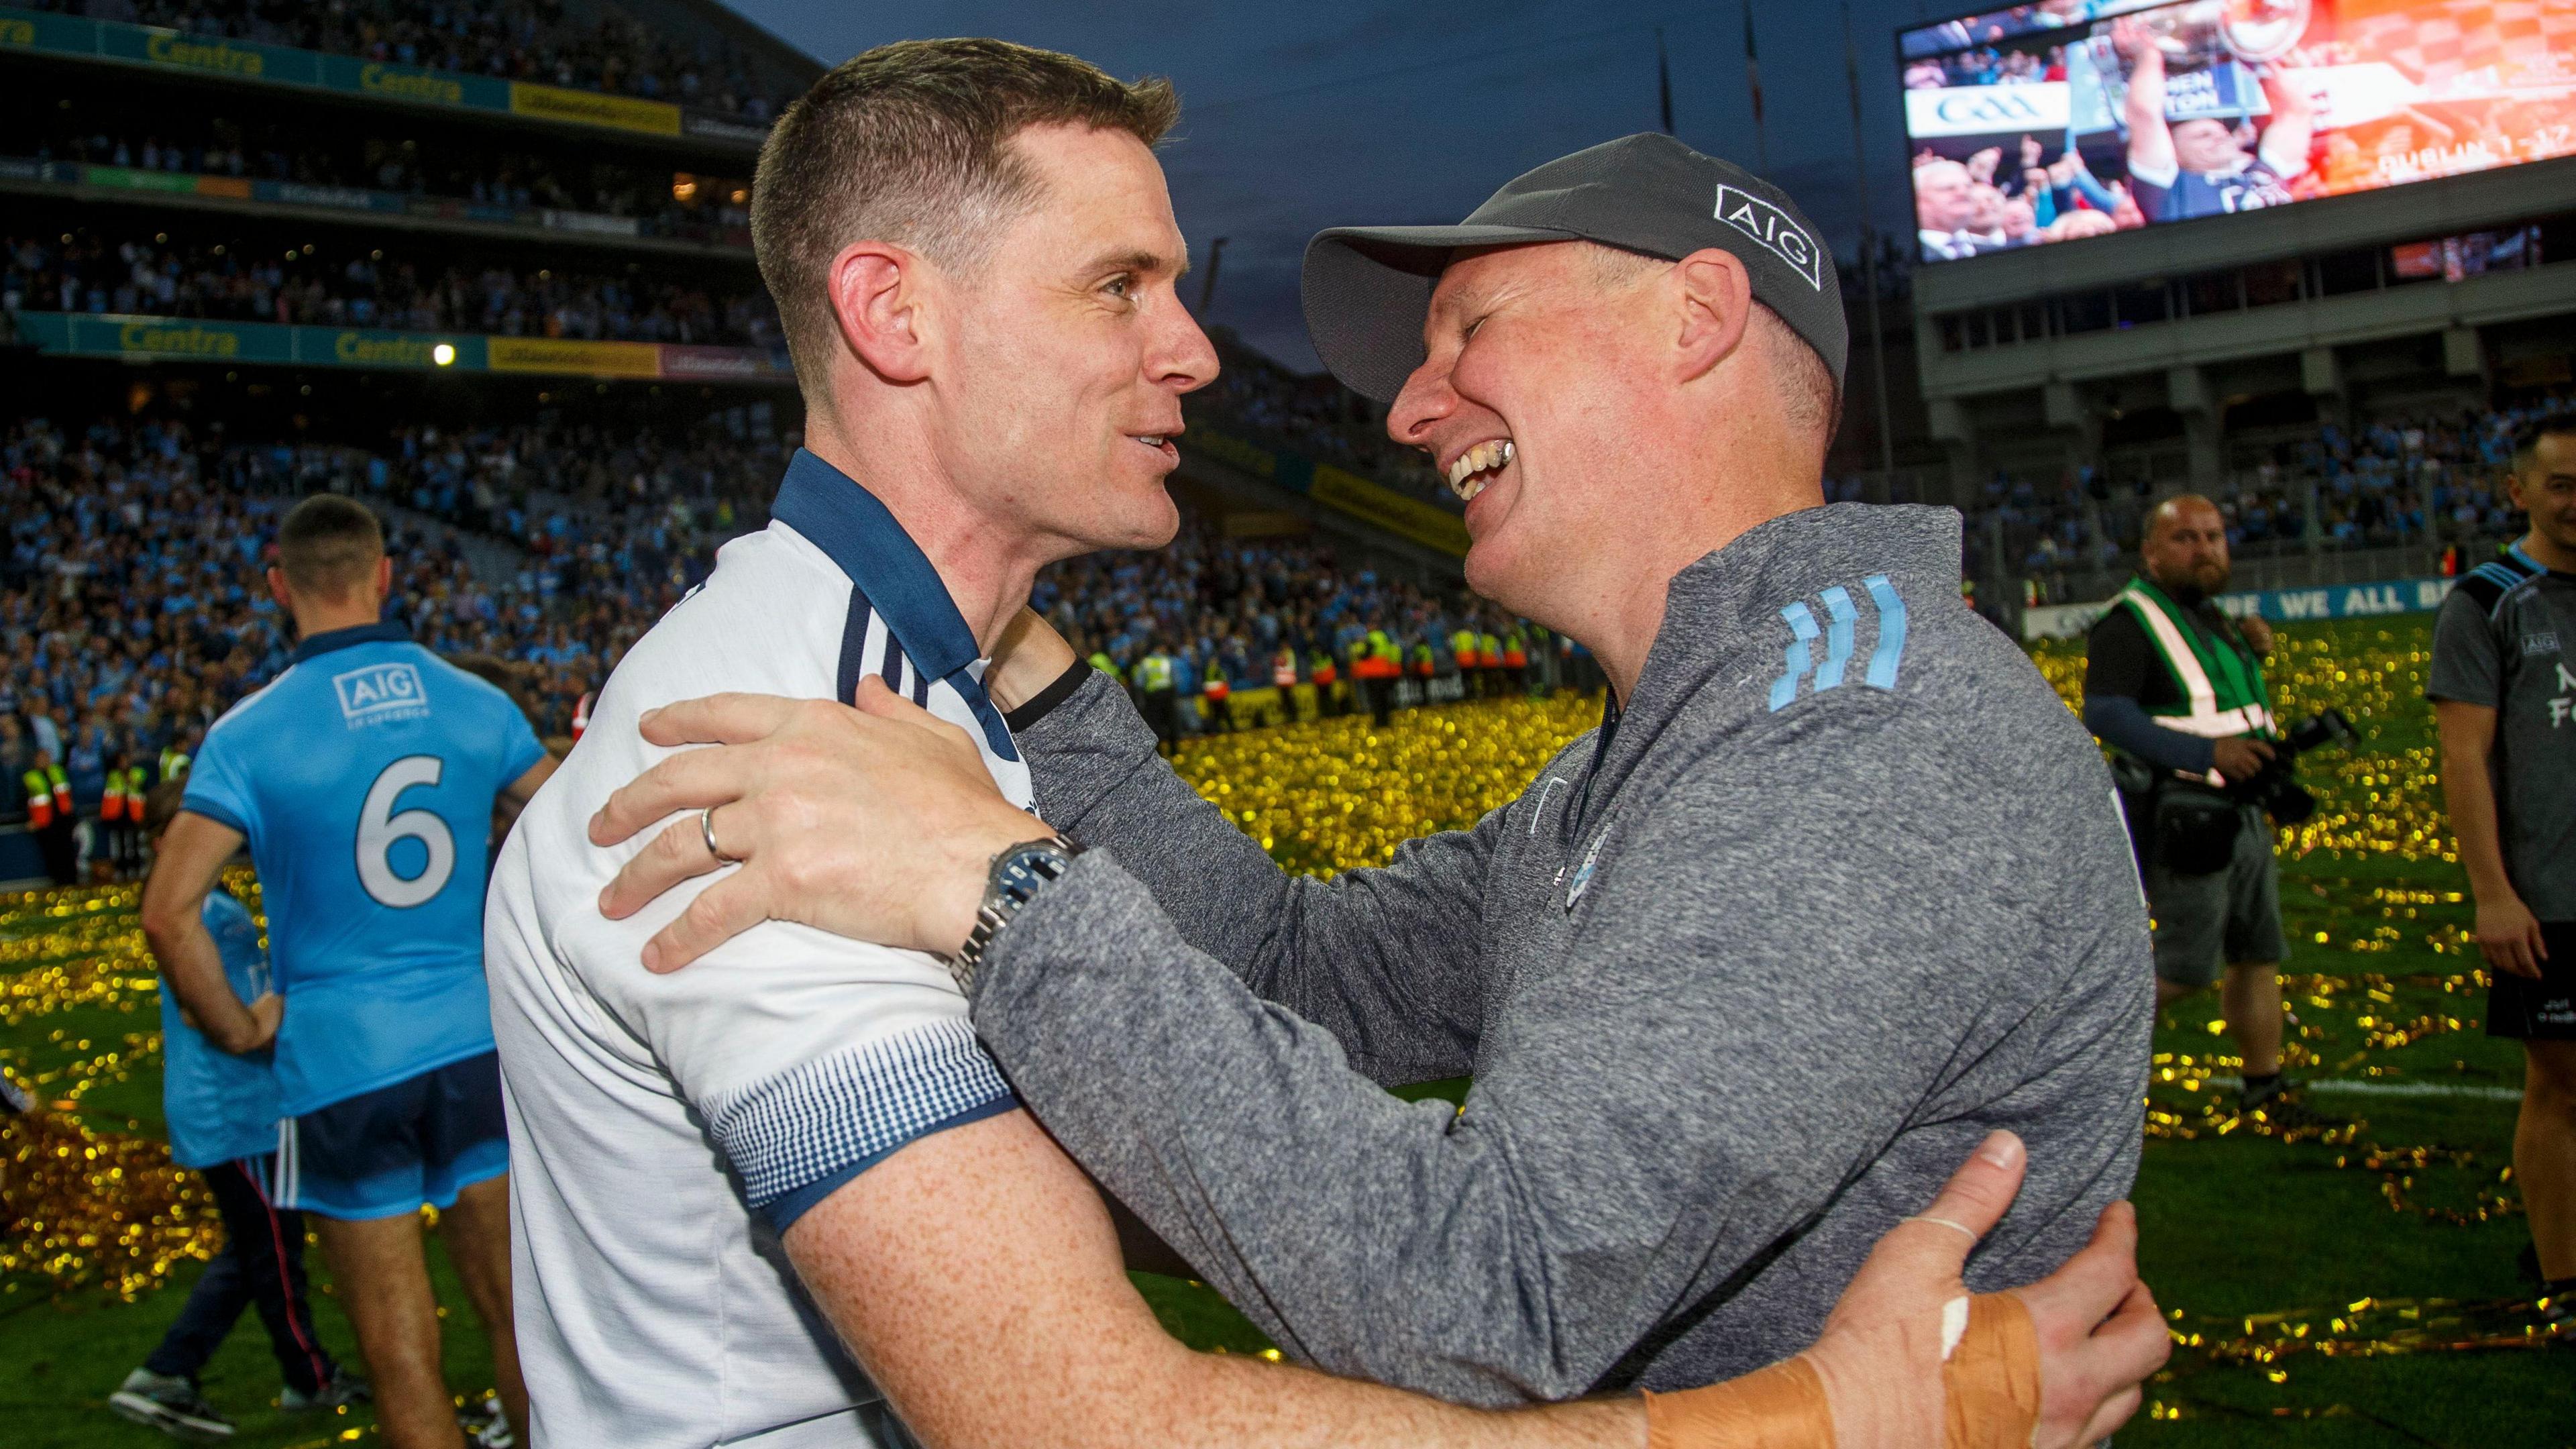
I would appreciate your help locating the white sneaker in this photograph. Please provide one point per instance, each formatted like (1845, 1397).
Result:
(170, 1404)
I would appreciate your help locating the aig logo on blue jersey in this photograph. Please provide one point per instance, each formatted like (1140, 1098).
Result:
(1840, 633)
(380, 692)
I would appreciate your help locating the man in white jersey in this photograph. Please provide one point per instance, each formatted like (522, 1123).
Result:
(755, 1196)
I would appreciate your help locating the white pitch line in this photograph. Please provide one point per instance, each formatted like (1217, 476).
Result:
(2363, 1087)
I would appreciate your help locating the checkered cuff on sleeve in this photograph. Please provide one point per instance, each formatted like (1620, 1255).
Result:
(824, 1120)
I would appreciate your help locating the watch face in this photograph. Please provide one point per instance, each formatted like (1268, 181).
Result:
(1021, 872)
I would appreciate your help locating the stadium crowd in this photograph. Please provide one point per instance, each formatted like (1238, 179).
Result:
(2437, 478)
(133, 610)
(493, 176)
(226, 281)
(543, 41)
(1316, 416)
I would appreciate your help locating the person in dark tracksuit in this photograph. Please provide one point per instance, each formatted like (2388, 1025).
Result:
(2503, 687)
(222, 1112)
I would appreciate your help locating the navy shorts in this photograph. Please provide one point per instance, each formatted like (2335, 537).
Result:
(2542, 1010)
(401, 1147)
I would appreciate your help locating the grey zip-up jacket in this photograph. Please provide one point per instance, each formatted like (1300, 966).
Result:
(1741, 978)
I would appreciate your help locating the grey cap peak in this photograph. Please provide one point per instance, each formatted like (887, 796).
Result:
(1368, 288)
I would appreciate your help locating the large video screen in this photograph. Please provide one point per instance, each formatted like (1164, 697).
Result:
(2068, 119)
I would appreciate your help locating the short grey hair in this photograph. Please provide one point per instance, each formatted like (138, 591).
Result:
(1809, 396)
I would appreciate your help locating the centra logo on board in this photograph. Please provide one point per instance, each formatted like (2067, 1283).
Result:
(189, 341)
(386, 81)
(378, 691)
(198, 55)
(398, 351)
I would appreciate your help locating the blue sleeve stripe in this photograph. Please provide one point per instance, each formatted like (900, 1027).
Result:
(1838, 637)
(838, 1113)
(1798, 659)
(787, 1209)
(1891, 632)
(220, 814)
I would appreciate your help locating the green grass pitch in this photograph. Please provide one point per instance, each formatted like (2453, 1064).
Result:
(2331, 1293)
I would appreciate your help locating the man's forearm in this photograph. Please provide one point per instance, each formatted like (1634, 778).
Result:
(975, 1276)
(2121, 721)
(1385, 959)
(1371, 1236)
(193, 969)
(2468, 794)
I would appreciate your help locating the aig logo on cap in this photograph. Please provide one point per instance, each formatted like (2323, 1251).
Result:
(1773, 228)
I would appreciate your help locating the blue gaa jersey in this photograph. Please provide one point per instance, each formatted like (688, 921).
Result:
(364, 778)
(219, 1106)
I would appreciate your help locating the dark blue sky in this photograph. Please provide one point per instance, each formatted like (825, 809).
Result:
(1331, 112)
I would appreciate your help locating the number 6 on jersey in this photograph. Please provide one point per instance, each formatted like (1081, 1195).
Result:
(379, 828)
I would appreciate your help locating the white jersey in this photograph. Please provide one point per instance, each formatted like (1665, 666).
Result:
(665, 1130)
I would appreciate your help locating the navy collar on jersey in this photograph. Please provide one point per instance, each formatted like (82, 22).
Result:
(330, 639)
(843, 519)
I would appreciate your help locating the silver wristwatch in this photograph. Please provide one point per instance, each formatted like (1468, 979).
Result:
(1018, 872)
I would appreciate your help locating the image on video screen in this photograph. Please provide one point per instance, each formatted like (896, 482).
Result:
(2066, 119)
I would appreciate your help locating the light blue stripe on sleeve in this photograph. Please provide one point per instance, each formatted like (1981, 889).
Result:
(1798, 658)
(1838, 637)
(1891, 632)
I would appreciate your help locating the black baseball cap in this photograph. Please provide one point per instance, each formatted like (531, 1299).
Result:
(1367, 288)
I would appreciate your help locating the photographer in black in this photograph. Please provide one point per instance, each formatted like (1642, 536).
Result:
(2175, 686)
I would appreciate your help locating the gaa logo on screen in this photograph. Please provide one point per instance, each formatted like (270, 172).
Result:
(379, 691)
(1773, 228)
(1997, 108)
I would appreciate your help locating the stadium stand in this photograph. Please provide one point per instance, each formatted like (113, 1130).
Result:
(132, 611)
(73, 142)
(2432, 480)
(333, 285)
(594, 46)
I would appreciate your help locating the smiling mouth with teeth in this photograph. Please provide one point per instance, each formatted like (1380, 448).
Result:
(1471, 470)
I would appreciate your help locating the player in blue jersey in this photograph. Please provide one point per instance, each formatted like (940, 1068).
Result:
(364, 780)
(221, 1108)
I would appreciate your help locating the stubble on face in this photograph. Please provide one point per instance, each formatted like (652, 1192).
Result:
(1070, 352)
(1538, 345)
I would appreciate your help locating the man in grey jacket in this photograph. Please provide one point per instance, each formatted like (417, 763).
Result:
(1837, 888)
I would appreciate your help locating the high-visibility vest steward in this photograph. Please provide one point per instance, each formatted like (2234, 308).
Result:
(2220, 680)
(40, 797)
(1378, 658)
(1283, 669)
(1154, 672)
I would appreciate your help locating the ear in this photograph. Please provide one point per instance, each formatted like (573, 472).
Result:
(277, 587)
(877, 291)
(1717, 303)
